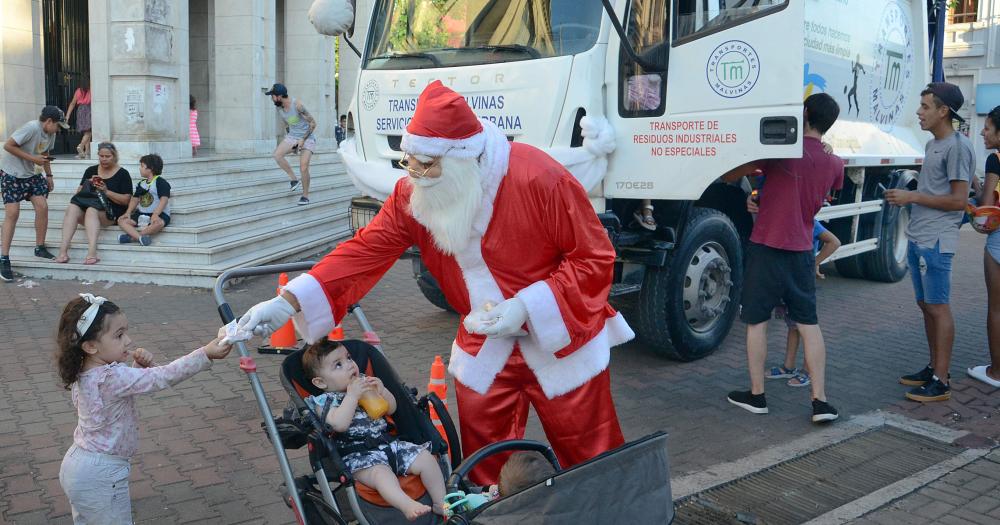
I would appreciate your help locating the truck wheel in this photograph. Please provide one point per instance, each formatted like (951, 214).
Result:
(888, 262)
(686, 308)
(429, 287)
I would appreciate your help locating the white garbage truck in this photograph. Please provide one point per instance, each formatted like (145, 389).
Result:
(655, 100)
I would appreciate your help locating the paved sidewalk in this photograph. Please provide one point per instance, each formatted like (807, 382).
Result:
(204, 459)
(969, 495)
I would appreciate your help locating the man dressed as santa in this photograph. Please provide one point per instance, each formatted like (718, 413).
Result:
(518, 251)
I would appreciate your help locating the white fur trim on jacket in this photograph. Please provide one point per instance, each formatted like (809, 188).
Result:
(556, 376)
(545, 322)
(332, 17)
(374, 179)
(589, 164)
(315, 319)
(467, 148)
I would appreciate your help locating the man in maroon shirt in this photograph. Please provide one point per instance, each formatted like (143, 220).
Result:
(780, 260)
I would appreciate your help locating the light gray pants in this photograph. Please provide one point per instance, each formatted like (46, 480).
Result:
(97, 487)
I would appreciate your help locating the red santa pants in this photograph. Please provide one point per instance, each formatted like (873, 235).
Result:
(578, 425)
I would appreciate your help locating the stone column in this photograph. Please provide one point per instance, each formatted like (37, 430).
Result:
(202, 66)
(244, 70)
(22, 66)
(309, 70)
(139, 76)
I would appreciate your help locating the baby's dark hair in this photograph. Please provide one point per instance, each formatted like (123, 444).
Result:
(153, 162)
(522, 470)
(69, 350)
(314, 355)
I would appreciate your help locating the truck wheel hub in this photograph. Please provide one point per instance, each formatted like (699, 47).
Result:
(707, 283)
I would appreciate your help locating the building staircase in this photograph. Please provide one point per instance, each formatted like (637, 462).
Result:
(226, 212)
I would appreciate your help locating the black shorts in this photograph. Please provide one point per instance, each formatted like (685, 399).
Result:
(773, 276)
(164, 216)
(16, 190)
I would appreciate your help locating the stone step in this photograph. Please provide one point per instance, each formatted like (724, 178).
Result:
(203, 253)
(194, 275)
(226, 212)
(206, 172)
(223, 208)
(324, 204)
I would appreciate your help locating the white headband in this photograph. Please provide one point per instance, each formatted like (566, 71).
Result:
(88, 316)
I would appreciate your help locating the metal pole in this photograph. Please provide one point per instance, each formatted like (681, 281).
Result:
(248, 365)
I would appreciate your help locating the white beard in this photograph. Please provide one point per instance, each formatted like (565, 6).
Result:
(448, 208)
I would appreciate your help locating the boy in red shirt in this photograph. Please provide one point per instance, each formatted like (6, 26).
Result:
(780, 260)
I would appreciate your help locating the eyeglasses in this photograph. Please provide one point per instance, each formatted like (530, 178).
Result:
(415, 172)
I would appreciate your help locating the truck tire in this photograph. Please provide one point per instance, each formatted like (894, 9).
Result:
(429, 287)
(887, 263)
(686, 308)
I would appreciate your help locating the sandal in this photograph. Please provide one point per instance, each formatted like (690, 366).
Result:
(92, 260)
(646, 221)
(800, 379)
(780, 372)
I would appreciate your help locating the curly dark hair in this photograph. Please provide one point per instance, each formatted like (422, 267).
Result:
(994, 117)
(69, 345)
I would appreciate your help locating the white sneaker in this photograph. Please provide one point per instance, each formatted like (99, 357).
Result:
(293, 185)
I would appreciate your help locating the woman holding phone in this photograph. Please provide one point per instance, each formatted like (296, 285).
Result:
(86, 208)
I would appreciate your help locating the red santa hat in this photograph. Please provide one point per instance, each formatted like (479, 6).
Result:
(443, 124)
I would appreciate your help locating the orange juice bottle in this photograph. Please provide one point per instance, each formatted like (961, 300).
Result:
(375, 405)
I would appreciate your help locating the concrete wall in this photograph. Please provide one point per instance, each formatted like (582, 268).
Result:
(22, 68)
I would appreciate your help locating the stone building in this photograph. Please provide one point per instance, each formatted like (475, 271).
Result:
(145, 57)
(972, 61)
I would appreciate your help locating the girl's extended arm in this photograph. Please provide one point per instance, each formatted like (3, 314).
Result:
(127, 381)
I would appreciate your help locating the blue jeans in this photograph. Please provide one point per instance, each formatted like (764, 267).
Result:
(933, 285)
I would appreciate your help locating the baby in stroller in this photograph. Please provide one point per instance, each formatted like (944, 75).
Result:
(370, 453)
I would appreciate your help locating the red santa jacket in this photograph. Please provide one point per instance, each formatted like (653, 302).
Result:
(542, 242)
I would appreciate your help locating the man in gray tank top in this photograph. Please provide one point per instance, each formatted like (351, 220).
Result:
(299, 127)
(936, 209)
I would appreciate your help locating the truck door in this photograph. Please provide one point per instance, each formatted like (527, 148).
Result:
(727, 89)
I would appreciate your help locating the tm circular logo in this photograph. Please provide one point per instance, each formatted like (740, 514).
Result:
(733, 69)
(369, 95)
(892, 78)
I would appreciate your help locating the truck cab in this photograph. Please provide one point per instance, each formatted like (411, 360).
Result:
(690, 89)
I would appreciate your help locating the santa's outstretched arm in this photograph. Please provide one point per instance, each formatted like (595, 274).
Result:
(348, 272)
(573, 301)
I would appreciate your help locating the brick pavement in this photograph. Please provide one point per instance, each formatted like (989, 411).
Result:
(969, 495)
(204, 459)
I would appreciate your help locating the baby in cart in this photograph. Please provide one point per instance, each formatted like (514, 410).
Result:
(373, 456)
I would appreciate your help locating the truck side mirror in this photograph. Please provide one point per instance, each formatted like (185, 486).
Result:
(333, 17)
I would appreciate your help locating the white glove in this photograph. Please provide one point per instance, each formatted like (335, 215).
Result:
(265, 318)
(503, 320)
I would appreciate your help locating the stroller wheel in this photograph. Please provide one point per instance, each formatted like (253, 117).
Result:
(318, 511)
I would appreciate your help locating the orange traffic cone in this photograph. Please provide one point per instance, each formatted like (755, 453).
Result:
(283, 341)
(337, 334)
(438, 385)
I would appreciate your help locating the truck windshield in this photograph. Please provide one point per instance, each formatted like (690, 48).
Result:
(418, 34)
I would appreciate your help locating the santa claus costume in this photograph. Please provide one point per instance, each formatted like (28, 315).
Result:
(527, 242)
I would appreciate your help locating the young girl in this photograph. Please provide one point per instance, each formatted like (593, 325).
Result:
(193, 128)
(81, 103)
(990, 374)
(93, 347)
(329, 367)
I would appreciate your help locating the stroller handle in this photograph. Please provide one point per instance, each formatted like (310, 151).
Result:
(246, 363)
(456, 477)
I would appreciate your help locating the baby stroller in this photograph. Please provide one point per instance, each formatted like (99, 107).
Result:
(630, 484)
(320, 495)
